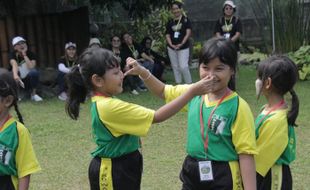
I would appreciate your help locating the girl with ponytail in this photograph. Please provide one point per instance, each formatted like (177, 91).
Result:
(17, 157)
(275, 134)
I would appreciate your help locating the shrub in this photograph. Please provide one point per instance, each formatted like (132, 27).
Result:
(301, 57)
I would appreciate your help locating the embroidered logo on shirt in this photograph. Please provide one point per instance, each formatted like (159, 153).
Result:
(5, 155)
(218, 124)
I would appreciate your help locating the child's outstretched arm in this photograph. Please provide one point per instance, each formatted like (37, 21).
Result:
(23, 183)
(152, 83)
(247, 169)
(201, 87)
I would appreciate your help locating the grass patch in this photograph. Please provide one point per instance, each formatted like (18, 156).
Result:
(63, 146)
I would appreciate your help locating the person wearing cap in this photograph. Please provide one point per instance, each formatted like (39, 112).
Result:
(23, 63)
(94, 43)
(65, 64)
(229, 26)
(178, 31)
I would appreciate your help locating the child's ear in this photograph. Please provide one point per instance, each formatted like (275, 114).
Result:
(268, 83)
(8, 101)
(97, 81)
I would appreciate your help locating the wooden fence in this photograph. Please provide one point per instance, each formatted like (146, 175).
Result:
(46, 35)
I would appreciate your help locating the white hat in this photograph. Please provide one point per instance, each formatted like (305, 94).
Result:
(70, 44)
(17, 39)
(94, 41)
(230, 3)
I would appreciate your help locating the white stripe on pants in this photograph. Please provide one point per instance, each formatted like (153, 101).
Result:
(179, 63)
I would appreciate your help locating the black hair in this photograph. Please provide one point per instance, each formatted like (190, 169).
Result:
(284, 75)
(179, 4)
(225, 50)
(90, 62)
(8, 87)
(145, 39)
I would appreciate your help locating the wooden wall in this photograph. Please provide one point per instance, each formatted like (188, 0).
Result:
(46, 35)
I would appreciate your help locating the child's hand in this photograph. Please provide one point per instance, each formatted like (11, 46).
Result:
(203, 86)
(132, 67)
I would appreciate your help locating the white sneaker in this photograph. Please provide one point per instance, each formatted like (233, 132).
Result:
(134, 92)
(63, 96)
(36, 98)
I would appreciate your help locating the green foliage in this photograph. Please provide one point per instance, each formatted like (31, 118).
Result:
(154, 26)
(291, 18)
(252, 58)
(135, 8)
(301, 57)
(196, 49)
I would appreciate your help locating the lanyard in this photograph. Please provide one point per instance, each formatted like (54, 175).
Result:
(226, 22)
(205, 140)
(177, 26)
(68, 63)
(133, 49)
(6, 119)
(275, 107)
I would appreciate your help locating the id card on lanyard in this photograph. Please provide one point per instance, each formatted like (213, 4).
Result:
(176, 32)
(205, 167)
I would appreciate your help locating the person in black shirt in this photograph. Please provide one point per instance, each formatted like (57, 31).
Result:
(229, 26)
(153, 57)
(23, 63)
(65, 64)
(178, 31)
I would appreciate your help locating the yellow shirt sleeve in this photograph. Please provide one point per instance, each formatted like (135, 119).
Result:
(172, 92)
(243, 130)
(271, 142)
(26, 160)
(122, 117)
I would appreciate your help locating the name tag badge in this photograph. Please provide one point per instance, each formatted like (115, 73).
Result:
(227, 35)
(176, 34)
(205, 171)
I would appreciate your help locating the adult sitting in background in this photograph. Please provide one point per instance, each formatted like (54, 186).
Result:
(229, 26)
(153, 57)
(131, 49)
(115, 46)
(64, 66)
(94, 43)
(23, 63)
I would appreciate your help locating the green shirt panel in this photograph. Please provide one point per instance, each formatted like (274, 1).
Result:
(8, 147)
(220, 145)
(117, 125)
(240, 139)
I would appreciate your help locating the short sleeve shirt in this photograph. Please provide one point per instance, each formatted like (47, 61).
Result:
(174, 26)
(232, 127)
(276, 141)
(117, 126)
(229, 26)
(22, 159)
(19, 59)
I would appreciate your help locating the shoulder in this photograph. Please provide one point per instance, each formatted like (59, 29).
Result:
(22, 130)
(278, 119)
(31, 55)
(243, 104)
(62, 59)
(236, 19)
(12, 55)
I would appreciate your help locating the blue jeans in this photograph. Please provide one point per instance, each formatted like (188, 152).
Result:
(32, 80)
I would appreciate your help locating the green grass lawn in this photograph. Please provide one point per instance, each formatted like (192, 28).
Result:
(63, 146)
